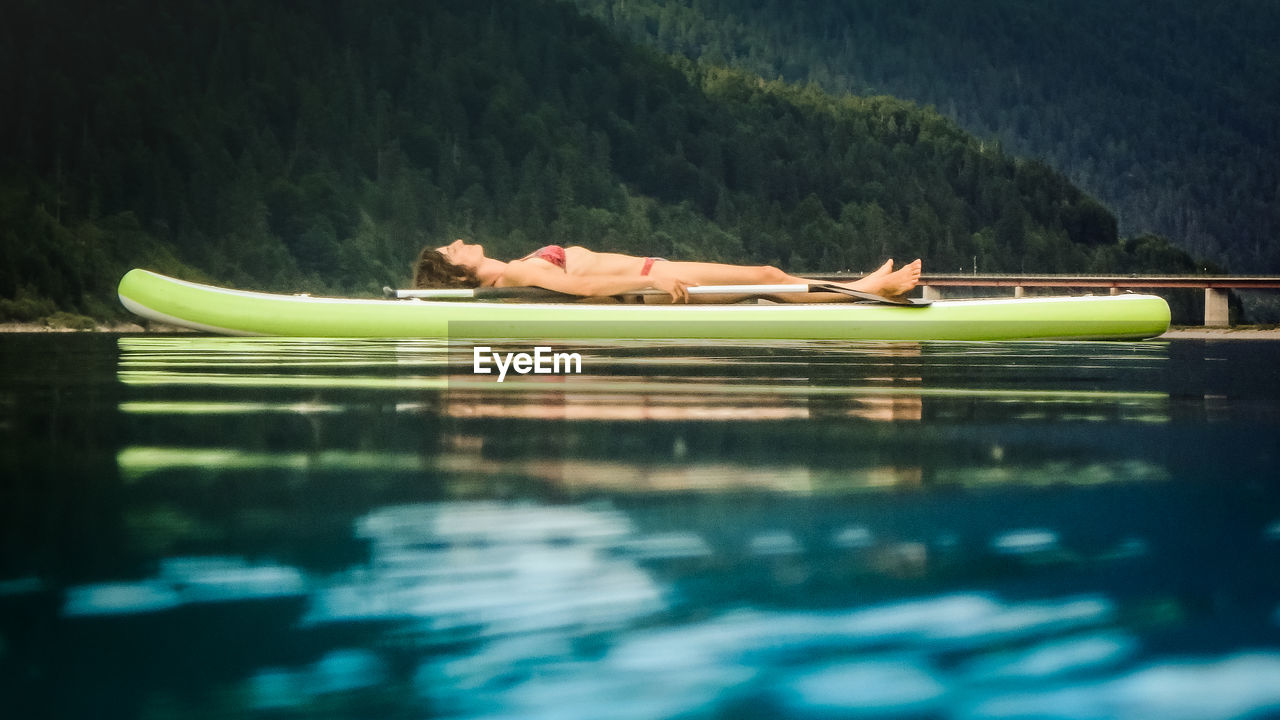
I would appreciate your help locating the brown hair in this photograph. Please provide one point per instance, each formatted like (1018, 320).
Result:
(433, 270)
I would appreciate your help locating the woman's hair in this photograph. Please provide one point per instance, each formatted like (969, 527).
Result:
(433, 270)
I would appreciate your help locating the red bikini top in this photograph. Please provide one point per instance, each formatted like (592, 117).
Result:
(553, 254)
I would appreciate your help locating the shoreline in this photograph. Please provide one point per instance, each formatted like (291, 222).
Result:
(1179, 332)
(121, 327)
(1242, 332)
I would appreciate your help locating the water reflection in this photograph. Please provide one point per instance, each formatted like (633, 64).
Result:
(667, 374)
(727, 530)
(183, 581)
(664, 386)
(514, 609)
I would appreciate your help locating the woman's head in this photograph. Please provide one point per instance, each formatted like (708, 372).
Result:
(433, 270)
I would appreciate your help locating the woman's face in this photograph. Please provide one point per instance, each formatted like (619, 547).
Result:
(464, 254)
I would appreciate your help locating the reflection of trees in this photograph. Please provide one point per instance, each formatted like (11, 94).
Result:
(59, 427)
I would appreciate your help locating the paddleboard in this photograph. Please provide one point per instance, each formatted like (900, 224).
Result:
(228, 311)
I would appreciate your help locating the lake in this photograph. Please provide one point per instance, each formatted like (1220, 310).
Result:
(201, 527)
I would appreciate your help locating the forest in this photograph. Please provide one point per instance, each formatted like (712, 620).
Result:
(1167, 112)
(315, 146)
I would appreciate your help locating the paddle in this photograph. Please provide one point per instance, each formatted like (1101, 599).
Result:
(537, 293)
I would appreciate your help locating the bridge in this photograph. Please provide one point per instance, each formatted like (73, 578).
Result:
(1215, 287)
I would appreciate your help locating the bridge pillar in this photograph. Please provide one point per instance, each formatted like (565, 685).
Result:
(931, 293)
(1215, 308)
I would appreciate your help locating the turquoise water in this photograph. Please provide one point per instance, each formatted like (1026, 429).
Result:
(219, 527)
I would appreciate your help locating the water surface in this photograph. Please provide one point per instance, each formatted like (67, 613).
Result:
(222, 527)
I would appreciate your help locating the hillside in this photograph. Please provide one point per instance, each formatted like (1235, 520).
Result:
(1168, 112)
(316, 146)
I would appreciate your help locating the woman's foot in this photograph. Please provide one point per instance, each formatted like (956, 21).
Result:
(890, 283)
(884, 269)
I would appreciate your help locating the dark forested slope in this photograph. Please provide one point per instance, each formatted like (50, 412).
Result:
(316, 145)
(1168, 111)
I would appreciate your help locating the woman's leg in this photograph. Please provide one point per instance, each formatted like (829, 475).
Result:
(883, 281)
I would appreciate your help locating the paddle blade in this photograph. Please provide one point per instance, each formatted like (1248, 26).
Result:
(871, 297)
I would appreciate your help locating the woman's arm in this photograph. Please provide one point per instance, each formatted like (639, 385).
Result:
(524, 274)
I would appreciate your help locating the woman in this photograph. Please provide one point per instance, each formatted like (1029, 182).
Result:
(579, 271)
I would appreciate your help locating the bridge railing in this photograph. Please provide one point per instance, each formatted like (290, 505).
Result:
(1215, 287)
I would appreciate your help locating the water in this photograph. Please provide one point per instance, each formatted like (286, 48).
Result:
(217, 527)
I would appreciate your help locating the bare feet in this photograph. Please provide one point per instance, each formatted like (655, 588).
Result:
(890, 283)
(884, 269)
